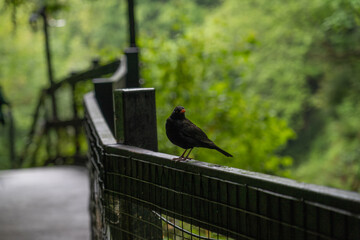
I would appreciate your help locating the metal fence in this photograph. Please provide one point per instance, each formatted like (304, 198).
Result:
(143, 194)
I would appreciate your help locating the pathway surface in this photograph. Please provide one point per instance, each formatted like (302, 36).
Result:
(44, 204)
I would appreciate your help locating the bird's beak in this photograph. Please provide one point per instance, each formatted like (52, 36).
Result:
(182, 111)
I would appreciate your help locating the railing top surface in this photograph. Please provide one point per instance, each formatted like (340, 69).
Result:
(118, 74)
(348, 201)
(100, 124)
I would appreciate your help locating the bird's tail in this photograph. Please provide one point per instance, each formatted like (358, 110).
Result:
(223, 152)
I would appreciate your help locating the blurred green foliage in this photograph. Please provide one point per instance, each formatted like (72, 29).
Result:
(206, 77)
(273, 83)
(306, 67)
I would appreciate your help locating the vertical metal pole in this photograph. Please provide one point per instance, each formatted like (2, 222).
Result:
(76, 118)
(51, 80)
(132, 75)
(132, 53)
(14, 163)
(49, 63)
(131, 23)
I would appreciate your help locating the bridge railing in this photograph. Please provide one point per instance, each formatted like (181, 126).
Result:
(58, 140)
(139, 193)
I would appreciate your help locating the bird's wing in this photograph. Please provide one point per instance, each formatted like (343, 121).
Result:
(194, 134)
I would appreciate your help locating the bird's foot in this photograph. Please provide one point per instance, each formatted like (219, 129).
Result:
(179, 159)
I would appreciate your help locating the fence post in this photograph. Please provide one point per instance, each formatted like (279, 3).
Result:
(104, 95)
(75, 117)
(132, 75)
(14, 162)
(135, 125)
(135, 117)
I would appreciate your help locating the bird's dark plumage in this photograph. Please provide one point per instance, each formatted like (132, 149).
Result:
(185, 134)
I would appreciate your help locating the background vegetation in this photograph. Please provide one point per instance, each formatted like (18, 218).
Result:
(274, 83)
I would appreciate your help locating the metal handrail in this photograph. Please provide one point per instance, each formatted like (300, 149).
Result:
(40, 128)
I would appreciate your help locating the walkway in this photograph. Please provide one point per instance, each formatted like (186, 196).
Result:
(44, 204)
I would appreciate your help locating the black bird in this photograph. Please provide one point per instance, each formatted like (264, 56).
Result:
(185, 134)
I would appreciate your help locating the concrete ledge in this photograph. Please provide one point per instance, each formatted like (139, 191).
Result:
(45, 203)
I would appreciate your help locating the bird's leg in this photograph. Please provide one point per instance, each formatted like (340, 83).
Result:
(181, 157)
(188, 153)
